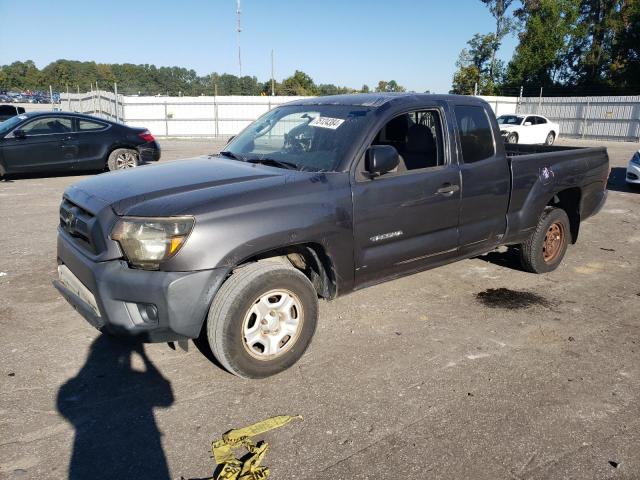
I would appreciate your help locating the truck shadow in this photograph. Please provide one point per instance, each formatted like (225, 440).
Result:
(617, 181)
(110, 404)
(509, 259)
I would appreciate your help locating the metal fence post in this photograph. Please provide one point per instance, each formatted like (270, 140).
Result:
(115, 100)
(584, 118)
(166, 120)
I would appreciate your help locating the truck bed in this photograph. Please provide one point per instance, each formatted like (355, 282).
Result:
(539, 172)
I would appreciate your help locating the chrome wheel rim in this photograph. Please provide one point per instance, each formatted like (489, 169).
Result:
(549, 139)
(273, 324)
(126, 160)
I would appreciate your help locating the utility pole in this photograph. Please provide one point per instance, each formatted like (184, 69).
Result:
(273, 82)
(239, 29)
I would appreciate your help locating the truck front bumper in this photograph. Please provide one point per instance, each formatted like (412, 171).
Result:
(153, 306)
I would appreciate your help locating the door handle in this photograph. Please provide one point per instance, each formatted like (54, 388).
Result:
(447, 189)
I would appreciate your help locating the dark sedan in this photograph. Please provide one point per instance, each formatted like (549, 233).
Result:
(54, 141)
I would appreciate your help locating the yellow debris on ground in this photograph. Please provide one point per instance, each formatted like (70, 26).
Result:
(248, 469)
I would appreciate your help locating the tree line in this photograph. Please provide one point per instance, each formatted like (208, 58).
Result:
(577, 46)
(151, 80)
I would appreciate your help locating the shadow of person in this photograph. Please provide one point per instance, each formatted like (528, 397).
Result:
(110, 405)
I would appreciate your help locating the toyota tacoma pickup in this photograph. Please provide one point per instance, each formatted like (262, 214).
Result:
(315, 199)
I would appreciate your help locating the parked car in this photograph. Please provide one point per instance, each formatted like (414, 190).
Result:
(54, 141)
(633, 170)
(528, 129)
(8, 111)
(315, 199)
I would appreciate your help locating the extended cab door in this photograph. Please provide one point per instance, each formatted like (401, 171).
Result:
(485, 179)
(407, 220)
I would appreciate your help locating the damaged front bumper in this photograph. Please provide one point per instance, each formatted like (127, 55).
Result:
(154, 306)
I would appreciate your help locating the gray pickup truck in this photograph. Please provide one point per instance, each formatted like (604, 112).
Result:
(315, 199)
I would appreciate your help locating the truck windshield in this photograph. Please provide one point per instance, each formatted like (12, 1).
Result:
(509, 120)
(305, 137)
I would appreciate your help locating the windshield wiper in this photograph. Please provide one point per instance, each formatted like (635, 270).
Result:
(235, 156)
(275, 163)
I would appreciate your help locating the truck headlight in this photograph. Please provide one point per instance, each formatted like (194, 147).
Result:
(148, 241)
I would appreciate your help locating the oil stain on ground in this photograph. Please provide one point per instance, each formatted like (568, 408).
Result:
(510, 299)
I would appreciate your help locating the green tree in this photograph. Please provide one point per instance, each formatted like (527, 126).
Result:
(390, 86)
(540, 58)
(474, 65)
(365, 89)
(298, 84)
(504, 25)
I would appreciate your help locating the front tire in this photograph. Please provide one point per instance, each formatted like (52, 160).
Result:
(122, 159)
(545, 248)
(262, 319)
(512, 138)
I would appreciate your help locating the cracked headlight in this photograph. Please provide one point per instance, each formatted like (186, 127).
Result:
(147, 241)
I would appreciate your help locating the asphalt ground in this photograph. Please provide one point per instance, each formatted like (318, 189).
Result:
(432, 376)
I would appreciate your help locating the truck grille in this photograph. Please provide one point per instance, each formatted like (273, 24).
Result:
(81, 225)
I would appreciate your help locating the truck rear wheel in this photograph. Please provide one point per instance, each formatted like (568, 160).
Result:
(545, 248)
(262, 319)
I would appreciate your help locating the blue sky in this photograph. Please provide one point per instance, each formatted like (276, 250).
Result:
(348, 42)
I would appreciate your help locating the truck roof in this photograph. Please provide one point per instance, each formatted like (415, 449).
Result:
(379, 99)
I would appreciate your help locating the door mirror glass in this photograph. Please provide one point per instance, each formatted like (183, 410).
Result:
(527, 124)
(19, 133)
(381, 159)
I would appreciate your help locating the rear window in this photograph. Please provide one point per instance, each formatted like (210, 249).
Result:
(88, 125)
(476, 138)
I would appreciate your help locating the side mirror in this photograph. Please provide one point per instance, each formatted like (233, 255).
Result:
(19, 133)
(381, 159)
(527, 124)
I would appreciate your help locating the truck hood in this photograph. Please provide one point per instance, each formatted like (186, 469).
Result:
(170, 188)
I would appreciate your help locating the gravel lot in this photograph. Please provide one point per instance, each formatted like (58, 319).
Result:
(415, 378)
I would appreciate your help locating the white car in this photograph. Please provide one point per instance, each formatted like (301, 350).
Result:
(529, 129)
(633, 170)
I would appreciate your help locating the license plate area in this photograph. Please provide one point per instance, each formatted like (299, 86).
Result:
(69, 280)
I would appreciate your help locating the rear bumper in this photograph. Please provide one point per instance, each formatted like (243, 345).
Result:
(127, 298)
(149, 152)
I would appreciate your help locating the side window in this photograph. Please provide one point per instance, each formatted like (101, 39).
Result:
(417, 136)
(48, 125)
(540, 121)
(88, 125)
(476, 137)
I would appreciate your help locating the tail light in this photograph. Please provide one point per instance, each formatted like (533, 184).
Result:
(146, 136)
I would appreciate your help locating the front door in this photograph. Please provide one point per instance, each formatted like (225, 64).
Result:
(407, 220)
(47, 144)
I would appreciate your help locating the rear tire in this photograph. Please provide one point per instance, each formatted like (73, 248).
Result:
(512, 138)
(550, 139)
(122, 159)
(545, 248)
(262, 319)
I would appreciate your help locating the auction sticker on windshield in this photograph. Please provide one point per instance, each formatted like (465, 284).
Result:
(326, 122)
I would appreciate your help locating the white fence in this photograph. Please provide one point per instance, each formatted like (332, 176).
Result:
(606, 118)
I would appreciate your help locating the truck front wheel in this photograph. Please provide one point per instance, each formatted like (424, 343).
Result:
(544, 249)
(262, 319)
